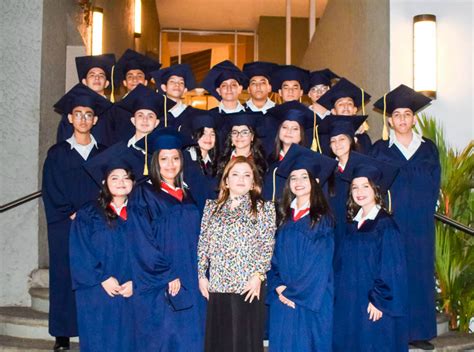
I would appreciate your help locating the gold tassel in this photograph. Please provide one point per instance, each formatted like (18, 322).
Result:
(145, 168)
(274, 185)
(166, 114)
(389, 201)
(112, 97)
(363, 101)
(314, 144)
(385, 128)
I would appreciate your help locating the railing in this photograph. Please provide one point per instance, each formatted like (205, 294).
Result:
(440, 217)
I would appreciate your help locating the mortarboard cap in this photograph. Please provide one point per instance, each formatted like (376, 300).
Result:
(334, 125)
(131, 60)
(259, 68)
(292, 111)
(165, 138)
(321, 77)
(81, 95)
(344, 89)
(402, 97)
(197, 121)
(181, 70)
(298, 157)
(245, 118)
(221, 72)
(85, 63)
(290, 73)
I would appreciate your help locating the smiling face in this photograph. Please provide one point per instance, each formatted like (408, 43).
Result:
(133, 78)
(207, 140)
(240, 179)
(119, 183)
(241, 137)
(290, 90)
(169, 161)
(362, 192)
(344, 106)
(340, 145)
(402, 120)
(259, 88)
(96, 80)
(300, 183)
(175, 87)
(289, 133)
(229, 90)
(144, 121)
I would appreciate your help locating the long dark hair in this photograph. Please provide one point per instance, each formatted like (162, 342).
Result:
(155, 174)
(318, 203)
(256, 150)
(354, 146)
(279, 145)
(105, 197)
(353, 208)
(213, 153)
(255, 192)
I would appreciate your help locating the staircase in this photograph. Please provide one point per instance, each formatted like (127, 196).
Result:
(26, 328)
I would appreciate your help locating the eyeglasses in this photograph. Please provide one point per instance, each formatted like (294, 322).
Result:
(79, 115)
(243, 133)
(320, 90)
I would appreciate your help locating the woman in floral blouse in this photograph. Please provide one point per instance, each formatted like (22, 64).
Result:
(235, 247)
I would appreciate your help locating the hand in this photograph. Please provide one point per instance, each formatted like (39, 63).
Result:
(252, 288)
(126, 289)
(374, 313)
(204, 287)
(111, 286)
(72, 216)
(174, 287)
(280, 289)
(283, 299)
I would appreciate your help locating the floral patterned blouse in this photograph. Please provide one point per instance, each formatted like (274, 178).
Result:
(234, 244)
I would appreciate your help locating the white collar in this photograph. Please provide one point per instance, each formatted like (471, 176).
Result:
(393, 138)
(321, 116)
(268, 105)
(193, 154)
(178, 109)
(132, 143)
(118, 209)
(294, 206)
(370, 216)
(238, 108)
(73, 142)
(409, 151)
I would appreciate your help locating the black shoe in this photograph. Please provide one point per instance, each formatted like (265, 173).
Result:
(62, 344)
(422, 345)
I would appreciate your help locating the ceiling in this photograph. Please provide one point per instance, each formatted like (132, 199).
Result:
(228, 15)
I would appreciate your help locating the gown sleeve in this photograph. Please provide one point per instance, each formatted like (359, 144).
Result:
(389, 291)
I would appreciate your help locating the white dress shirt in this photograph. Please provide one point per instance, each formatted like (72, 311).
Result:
(83, 150)
(268, 105)
(238, 108)
(412, 148)
(370, 216)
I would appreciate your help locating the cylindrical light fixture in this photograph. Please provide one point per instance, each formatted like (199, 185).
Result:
(138, 18)
(97, 29)
(424, 54)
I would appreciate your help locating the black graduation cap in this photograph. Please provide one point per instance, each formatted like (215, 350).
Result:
(117, 156)
(298, 157)
(292, 111)
(85, 63)
(379, 172)
(199, 120)
(131, 60)
(290, 73)
(259, 68)
(321, 77)
(221, 72)
(165, 138)
(81, 95)
(402, 97)
(247, 118)
(146, 98)
(344, 89)
(334, 125)
(180, 70)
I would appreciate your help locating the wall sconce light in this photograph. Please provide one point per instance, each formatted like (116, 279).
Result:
(138, 18)
(424, 55)
(97, 28)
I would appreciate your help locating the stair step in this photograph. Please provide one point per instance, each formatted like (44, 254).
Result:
(451, 341)
(15, 344)
(40, 299)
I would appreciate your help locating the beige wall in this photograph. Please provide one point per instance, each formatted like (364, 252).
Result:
(272, 43)
(352, 39)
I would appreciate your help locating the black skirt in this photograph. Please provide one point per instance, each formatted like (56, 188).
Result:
(233, 325)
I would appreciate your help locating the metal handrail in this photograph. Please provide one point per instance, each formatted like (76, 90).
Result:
(20, 201)
(438, 216)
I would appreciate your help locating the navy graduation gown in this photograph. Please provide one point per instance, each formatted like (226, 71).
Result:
(66, 187)
(201, 186)
(371, 268)
(98, 251)
(176, 122)
(302, 261)
(119, 125)
(414, 194)
(365, 144)
(100, 131)
(165, 248)
(269, 187)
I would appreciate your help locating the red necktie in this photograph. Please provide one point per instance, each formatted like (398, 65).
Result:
(123, 211)
(300, 214)
(176, 193)
(280, 156)
(339, 167)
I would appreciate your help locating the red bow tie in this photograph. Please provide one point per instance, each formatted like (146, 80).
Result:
(300, 214)
(123, 211)
(176, 193)
(341, 170)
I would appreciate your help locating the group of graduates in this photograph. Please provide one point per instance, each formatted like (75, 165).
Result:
(156, 210)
